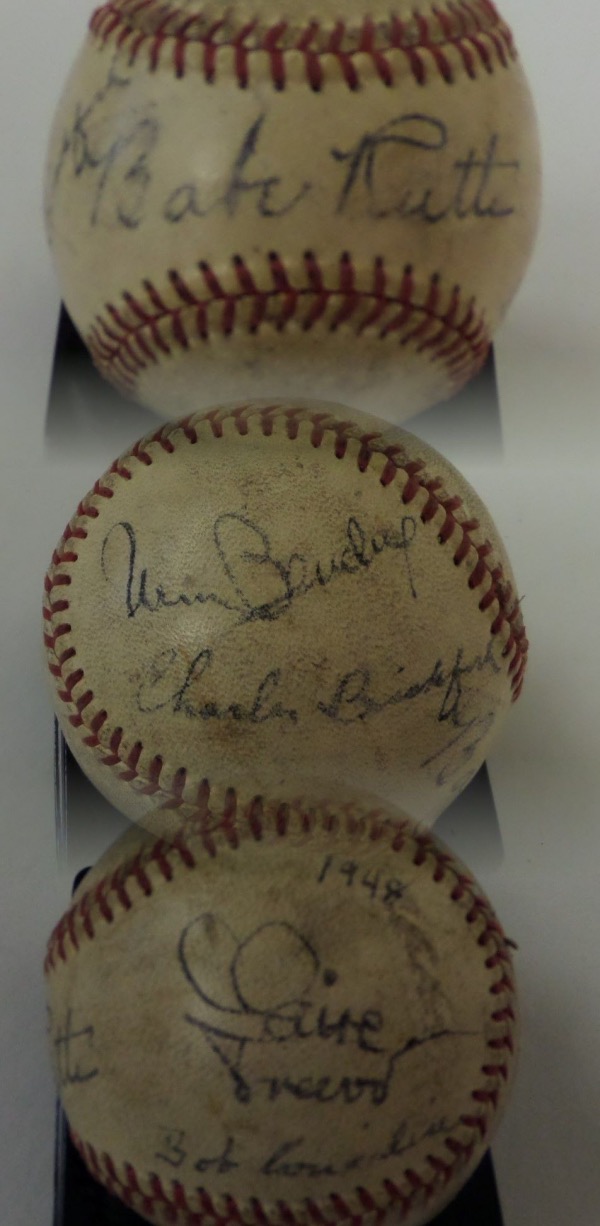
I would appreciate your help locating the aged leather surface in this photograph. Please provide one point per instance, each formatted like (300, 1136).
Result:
(275, 599)
(304, 1012)
(338, 203)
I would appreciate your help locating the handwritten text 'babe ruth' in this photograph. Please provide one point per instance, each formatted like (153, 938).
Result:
(369, 177)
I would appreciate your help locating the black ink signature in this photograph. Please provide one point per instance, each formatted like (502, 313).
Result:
(264, 705)
(185, 200)
(375, 182)
(74, 1050)
(453, 762)
(354, 697)
(254, 582)
(472, 191)
(173, 1153)
(262, 586)
(283, 1012)
(117, 157)
(137, 593)
(288, 1160)
(171, 681)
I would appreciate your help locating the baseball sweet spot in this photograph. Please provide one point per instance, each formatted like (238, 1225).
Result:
(271, 596)
(312, 1016)
(302, 191)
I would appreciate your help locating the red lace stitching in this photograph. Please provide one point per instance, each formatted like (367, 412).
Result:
(141, 330)
(467, 34)
(166, 859)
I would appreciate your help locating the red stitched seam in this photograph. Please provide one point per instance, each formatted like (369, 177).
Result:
(126, 338)
(69, 677)
(486, 1097)
(473, 30)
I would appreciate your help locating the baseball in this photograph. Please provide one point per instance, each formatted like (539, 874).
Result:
(311, 1018)
(269, 597)
(268, 193)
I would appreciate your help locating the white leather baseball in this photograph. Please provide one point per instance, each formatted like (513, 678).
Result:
(307, 1016)
(268, 597)
(292, 191)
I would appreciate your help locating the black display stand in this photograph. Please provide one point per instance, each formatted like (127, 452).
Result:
(78, 400)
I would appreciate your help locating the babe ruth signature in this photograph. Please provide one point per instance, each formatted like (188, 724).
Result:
(370, 178)
(263, 1011)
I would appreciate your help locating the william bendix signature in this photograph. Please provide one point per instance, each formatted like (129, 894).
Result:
(248, 565)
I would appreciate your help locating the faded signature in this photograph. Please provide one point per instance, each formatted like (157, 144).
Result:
(172, 682)
(474, 180)
(114, 158)
(114, 145)
(355, 697)
(267, 991)
(253, 581)
(266, 193)
(73, 1046)
(292, 1157)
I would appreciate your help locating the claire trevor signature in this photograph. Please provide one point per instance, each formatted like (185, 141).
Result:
(113, 143)
(264, 1014)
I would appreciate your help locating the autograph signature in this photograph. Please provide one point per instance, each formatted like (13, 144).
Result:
(292, 1158)
(249, 567)
(282, 1014)
(254, 582)
(73, 1046)
(371, 178)
(170, 681)
(117, 166)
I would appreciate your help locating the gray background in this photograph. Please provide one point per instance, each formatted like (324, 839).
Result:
(541, 486)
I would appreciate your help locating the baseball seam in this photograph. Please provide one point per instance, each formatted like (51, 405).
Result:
(497, 600)
(99, 906)
(467, 35)
(126, 338)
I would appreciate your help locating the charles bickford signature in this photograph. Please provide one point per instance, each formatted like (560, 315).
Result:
(263, 1012)
(371, 177)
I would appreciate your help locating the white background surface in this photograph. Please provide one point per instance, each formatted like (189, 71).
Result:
(543, 493)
